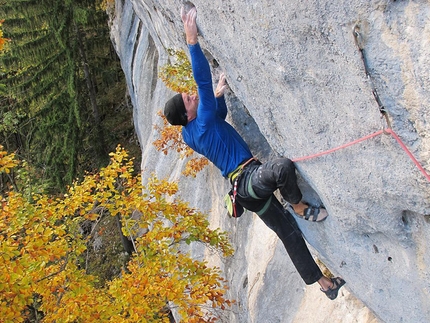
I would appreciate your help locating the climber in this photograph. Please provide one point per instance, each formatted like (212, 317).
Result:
(205, 130)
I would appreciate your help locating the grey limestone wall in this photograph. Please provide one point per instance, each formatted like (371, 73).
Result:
(298, 86)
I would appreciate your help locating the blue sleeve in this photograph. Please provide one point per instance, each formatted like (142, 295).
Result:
(221, 107)
(202, 75)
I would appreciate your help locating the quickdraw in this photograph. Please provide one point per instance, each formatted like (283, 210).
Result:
(359, 41)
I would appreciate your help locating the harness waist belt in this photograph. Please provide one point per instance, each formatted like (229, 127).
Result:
(232, 176)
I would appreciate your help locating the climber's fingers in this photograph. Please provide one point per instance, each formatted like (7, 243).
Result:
(221, 87)
(190, 26)
(189, 17)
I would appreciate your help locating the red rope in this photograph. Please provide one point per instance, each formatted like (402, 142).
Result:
(340, 147)
(391, 131)
(377, 133)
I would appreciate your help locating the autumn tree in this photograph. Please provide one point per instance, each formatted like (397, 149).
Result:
(44, 277)
(177, 75)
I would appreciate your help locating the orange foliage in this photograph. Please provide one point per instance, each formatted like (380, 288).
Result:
(195, 165)
(41, 244)
(171, 140)
(178, 76)
(7, 161)
(2, 40)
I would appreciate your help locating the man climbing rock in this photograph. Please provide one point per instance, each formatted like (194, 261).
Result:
(205, 130)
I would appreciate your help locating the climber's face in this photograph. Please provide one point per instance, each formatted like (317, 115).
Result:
(191, 103)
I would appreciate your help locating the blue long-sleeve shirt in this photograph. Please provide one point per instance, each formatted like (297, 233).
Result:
(209, 134)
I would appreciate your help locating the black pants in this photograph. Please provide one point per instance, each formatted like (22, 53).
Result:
(255, 193)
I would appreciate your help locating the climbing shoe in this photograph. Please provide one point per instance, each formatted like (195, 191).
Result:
(337, 284)
(315, 214)
(311, 213)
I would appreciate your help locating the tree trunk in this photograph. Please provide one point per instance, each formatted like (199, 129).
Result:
(127, 244)
(99, 139)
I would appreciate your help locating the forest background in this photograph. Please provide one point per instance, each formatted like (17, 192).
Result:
(63, 99)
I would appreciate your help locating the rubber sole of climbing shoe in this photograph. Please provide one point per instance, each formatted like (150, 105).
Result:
(332, 292)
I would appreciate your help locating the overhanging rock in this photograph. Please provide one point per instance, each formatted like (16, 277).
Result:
(298, 87)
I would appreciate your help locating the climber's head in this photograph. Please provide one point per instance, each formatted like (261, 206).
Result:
(181, 109)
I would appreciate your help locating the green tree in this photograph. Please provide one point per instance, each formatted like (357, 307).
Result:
(56, 83)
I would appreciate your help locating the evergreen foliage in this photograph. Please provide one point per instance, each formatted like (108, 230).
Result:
(55, 80)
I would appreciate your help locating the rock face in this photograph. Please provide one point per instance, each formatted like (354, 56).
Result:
(298, 87)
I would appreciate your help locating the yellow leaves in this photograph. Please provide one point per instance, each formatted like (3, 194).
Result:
(195, 165)
(171, 137)
(2, 42)
(188, 283)
(41, 251)
(92, 216)
(7, 161)
(161, 187)
(178, 75)
(105, 5)
(171, 140)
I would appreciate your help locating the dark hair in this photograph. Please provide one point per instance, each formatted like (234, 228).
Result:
(175, 112)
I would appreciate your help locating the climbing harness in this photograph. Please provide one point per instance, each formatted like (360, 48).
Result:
(235, 173)
(234, 209)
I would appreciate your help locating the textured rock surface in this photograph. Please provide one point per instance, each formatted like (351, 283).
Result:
(298, 87)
